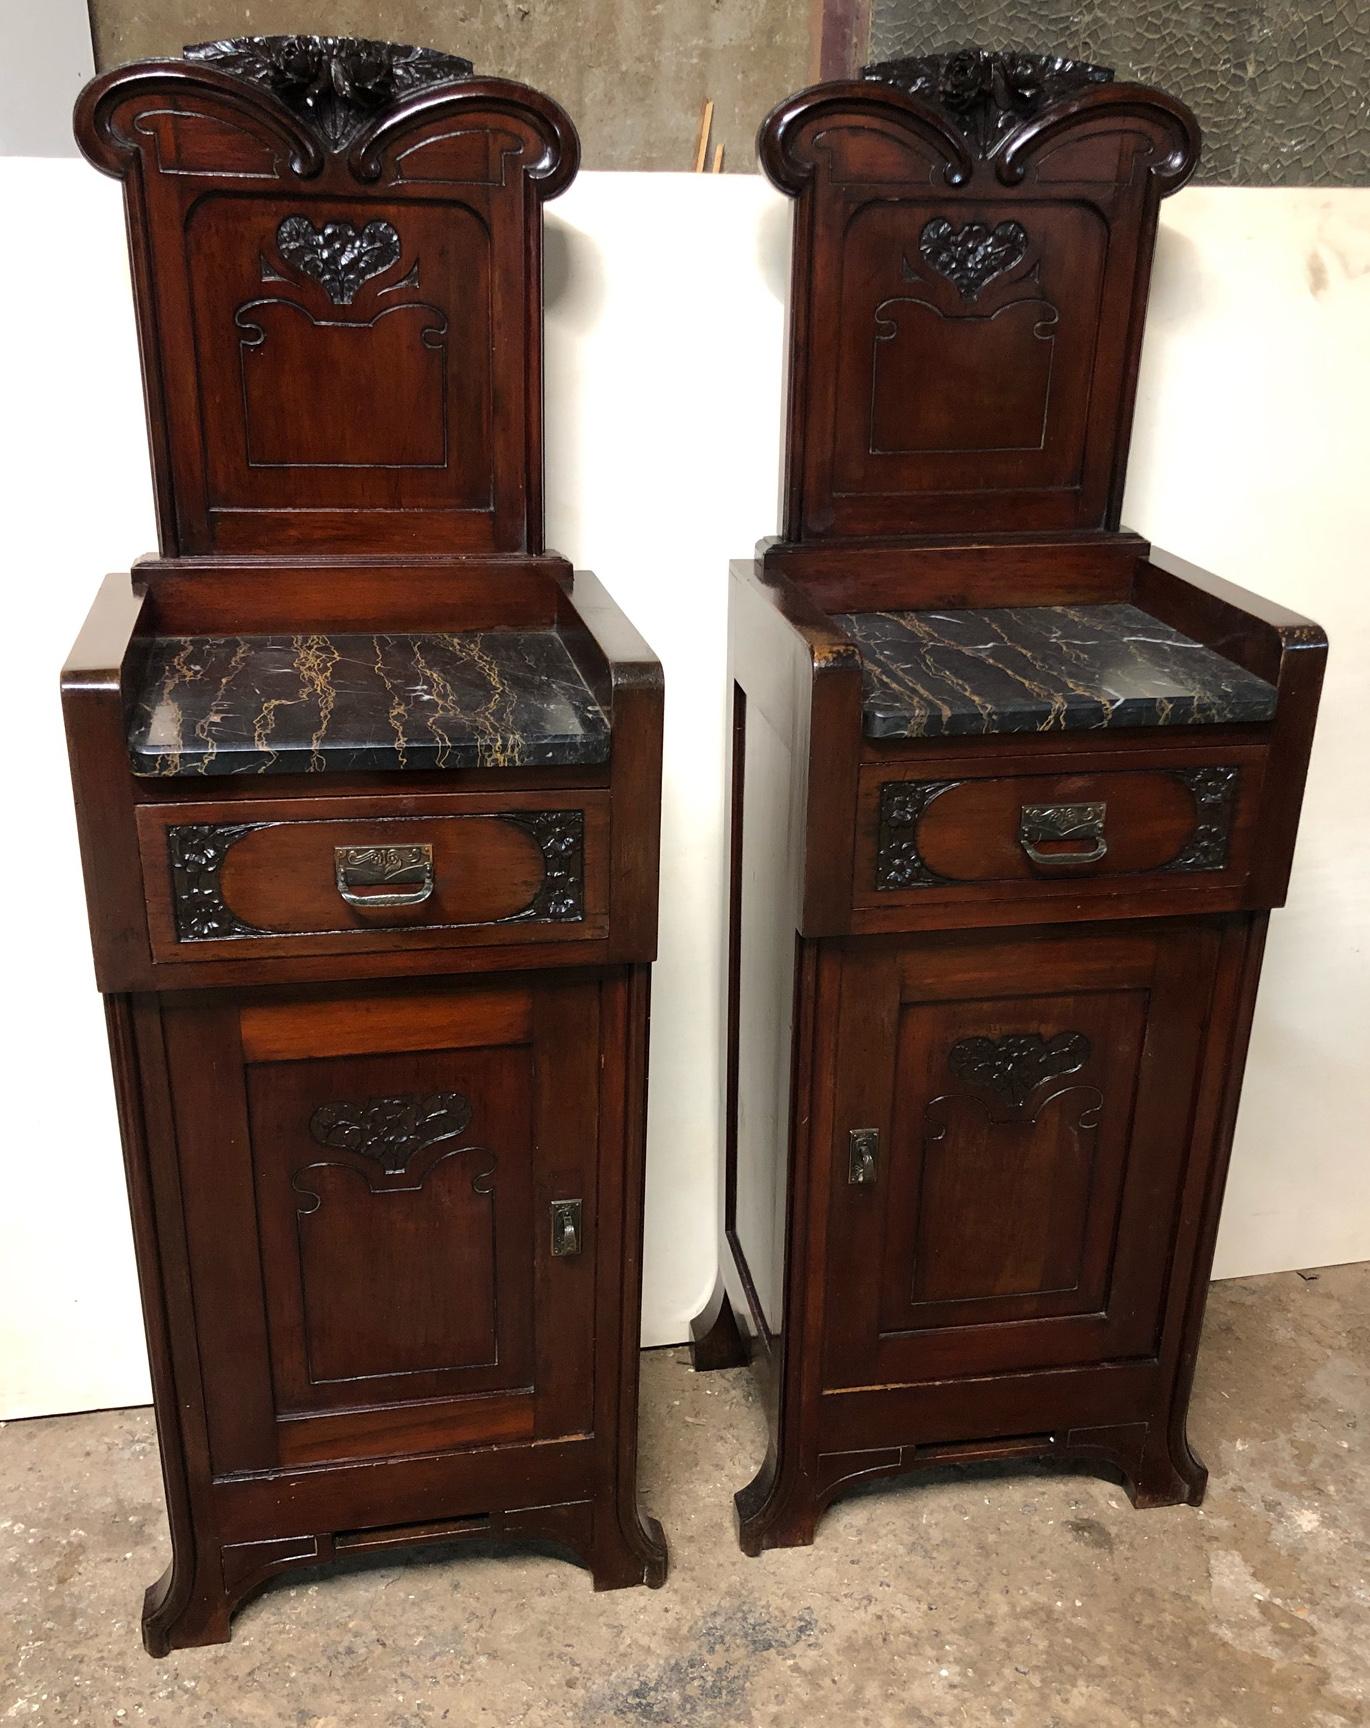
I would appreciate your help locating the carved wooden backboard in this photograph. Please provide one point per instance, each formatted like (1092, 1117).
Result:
(337, 266)
(972, 250)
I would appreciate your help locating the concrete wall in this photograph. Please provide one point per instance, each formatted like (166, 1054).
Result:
(1279, 86)
(633, 74)
(46, 59)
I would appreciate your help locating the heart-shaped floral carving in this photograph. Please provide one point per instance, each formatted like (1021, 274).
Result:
(970, 257)
(338, 256)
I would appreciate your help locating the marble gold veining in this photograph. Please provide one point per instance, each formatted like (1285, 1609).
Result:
(1042, 669)
(310, 703)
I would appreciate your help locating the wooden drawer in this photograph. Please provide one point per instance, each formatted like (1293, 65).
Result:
(342, 875)
(929, 837)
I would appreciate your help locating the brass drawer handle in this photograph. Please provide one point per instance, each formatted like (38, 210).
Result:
(390, 868)
(1040, 824)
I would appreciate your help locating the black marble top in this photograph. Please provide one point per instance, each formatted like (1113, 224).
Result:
(1042, 669)
(305, 704)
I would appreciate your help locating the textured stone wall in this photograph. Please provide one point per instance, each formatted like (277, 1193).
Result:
(632, 73)
(1281, 87)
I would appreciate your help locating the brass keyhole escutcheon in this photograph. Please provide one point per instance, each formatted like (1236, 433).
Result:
(863, 1151)
(566, 1228)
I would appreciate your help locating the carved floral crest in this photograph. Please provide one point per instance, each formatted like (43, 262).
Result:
(335, 84)
(986, 93)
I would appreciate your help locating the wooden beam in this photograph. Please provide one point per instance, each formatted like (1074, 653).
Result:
(839, 37)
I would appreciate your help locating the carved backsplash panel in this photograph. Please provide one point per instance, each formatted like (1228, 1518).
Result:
(359, 346)
(338, 282)
(974, 237)
(979, 343)
(1279, 89)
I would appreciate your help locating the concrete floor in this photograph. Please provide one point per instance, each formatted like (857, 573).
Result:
(984, 1597)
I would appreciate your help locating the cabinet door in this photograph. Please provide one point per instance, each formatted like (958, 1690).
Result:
(1012, 1127)
(374, 1192)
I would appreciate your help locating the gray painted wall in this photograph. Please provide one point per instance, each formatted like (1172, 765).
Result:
(1281, 87)
(632, 73)
(45, 58)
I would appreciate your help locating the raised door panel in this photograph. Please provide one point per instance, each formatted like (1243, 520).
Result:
(369, 1184)
(392, 1206)
(1012, 1136)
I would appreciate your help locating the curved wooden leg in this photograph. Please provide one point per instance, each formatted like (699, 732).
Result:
(1169, 1473)
(1157, 1467)
(776, 1509)
(715, 1341)
(183, 1609)
(627, 1550)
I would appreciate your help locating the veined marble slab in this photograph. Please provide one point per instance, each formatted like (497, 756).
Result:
(312, 703)
(1042, 669)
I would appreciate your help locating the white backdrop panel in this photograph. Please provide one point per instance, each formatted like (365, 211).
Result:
(664, 331)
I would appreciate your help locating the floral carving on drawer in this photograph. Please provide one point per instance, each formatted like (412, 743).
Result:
(197, 853)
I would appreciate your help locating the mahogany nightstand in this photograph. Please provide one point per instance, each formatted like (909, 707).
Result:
(1012, 796)
(368, 788)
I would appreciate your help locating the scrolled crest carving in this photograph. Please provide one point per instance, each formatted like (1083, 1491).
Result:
(334, 84)
(988, 93)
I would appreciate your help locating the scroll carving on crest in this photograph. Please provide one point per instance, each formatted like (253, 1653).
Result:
(988, 94)
(334, 84)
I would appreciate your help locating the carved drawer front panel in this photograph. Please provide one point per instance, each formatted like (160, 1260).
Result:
(230, 880)
(1031, 1100)
(370, 1192)
(933, 837)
